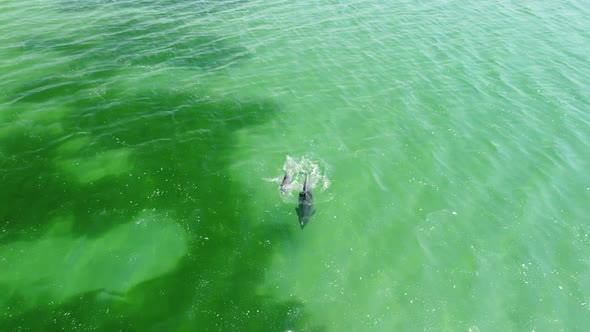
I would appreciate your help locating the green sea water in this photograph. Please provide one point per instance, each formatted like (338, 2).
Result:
(142, 144)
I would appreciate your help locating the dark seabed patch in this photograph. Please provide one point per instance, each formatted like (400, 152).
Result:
(119, 159)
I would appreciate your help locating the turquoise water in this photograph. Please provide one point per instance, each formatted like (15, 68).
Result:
(142, 144)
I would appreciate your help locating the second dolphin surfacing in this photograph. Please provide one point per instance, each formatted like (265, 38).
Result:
(305, 209)
(286, 181)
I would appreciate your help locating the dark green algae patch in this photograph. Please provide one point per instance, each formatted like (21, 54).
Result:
(123, 207)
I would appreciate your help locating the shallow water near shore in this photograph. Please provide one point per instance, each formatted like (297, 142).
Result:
(143, 143)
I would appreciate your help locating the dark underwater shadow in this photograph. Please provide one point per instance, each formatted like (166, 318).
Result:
(178, 147)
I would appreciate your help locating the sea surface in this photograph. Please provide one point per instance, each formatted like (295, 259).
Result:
(143, 143)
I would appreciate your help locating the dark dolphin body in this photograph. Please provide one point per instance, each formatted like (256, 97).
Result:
(305, 209)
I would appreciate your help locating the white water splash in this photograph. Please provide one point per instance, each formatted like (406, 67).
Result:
(299, 168)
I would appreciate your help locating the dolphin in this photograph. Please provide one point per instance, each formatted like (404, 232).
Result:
(286, 181)
(305, 209)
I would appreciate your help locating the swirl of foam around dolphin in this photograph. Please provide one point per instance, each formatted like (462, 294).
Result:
(294, 172)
